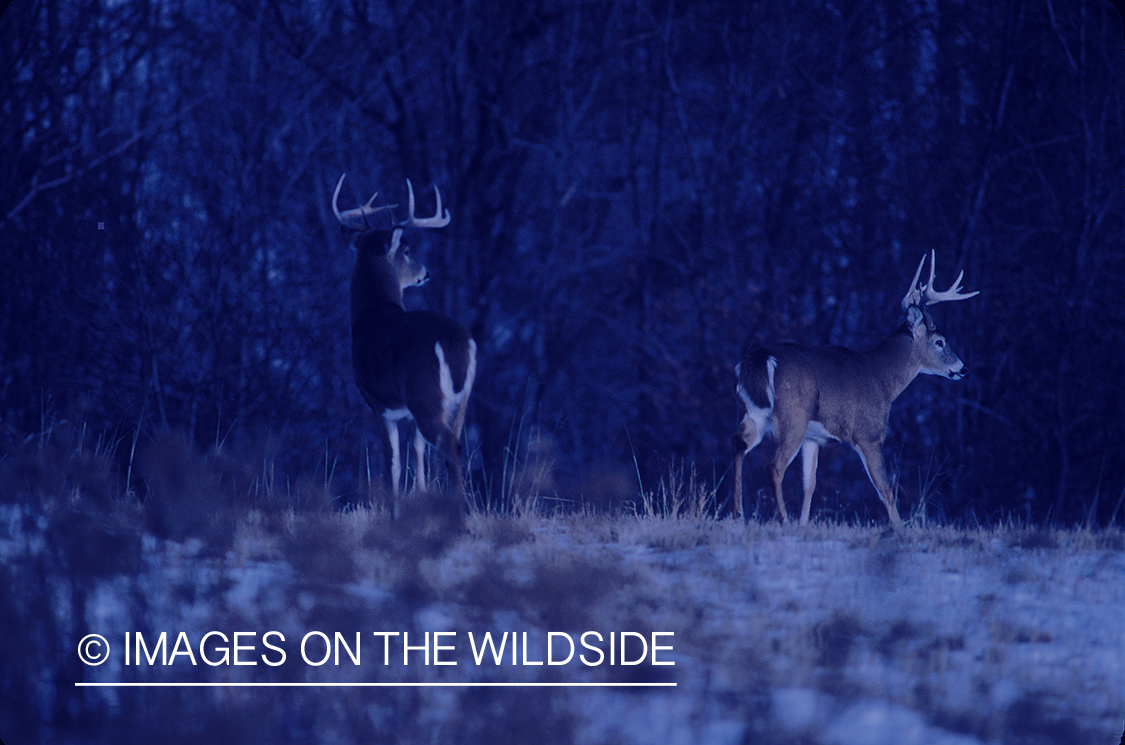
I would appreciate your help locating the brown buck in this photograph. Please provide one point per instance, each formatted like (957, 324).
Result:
(807, 396)
(412, 364)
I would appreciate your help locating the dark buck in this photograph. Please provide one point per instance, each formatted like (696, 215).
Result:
(807, 396)
(409, 364)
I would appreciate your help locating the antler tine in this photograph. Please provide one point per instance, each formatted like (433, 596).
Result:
(953, 293)
(346, 220)
(440, 218)
(914, 294)
(925, 294)
(356, 218)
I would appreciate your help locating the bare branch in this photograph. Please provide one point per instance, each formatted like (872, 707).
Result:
(38, 187)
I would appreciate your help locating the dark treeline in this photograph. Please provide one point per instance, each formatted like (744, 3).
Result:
(636, 187)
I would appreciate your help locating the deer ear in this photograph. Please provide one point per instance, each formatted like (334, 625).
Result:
(396, 241)
(915, 318)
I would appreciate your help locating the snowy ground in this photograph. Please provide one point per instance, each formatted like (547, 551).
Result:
(831, 634)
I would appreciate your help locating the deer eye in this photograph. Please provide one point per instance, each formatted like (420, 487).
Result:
(939, 343)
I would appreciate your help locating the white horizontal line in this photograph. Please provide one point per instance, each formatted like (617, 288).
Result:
(375, 685)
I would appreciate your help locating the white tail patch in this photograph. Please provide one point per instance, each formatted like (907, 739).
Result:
(453, 401)
(756, 422)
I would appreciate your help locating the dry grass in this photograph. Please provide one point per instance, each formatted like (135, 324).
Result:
(781, 634)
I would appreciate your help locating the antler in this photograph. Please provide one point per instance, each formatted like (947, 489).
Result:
(356, 219)
(925, 294)
(439, 220)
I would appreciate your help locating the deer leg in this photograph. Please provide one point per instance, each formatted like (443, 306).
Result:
(809, 451)
(450, 447)
(420, 483)
(750, 434)
(739, 451)
(871, 453)
(786, 452)
(452, 454)
(396, 460)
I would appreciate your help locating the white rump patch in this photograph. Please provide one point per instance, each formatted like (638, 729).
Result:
(771, 368)
(745, 397)
(759, 419)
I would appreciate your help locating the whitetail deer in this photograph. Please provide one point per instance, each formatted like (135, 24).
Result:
(809, 395)
(408, 364)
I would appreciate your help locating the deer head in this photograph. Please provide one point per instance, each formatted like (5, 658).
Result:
(385, 263)
(936, 355)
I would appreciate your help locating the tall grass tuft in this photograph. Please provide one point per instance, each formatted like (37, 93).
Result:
(679, 493)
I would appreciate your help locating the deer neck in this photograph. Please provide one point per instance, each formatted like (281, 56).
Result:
(374, 288)
(896, 360)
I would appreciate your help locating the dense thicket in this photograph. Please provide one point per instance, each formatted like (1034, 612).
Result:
(637, 187)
